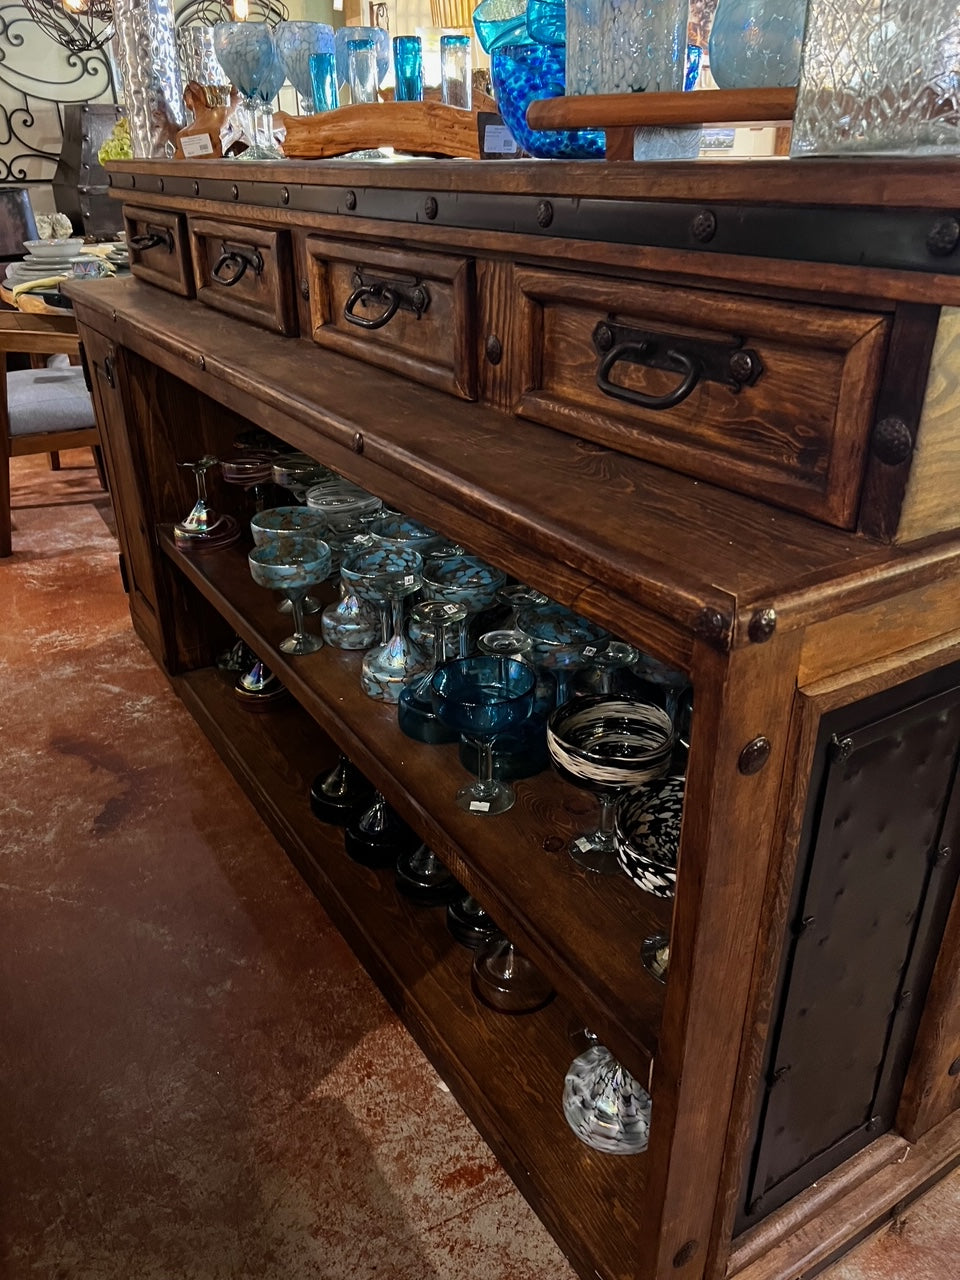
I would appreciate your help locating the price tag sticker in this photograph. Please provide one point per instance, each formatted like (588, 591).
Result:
(197, 144)
(408, 580)
(589, 651)
(581, 845)
(451, 608)
(479, 806)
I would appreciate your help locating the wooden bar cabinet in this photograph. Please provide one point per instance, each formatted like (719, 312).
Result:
(713, 407)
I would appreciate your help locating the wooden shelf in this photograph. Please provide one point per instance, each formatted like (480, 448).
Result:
(583, 931)
(506, 1072)
(625, 110)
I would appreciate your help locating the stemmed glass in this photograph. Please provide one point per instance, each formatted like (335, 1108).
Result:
(297, 43)
(280, 524)
(293, 566)
(387, 575)
(482, 697)
(416, 713)
(248, 56)
(647, 823)
(506, 980)
(515, 598)
(559, 636)
(252, 474)
(464, 580)
(297, 472)
(606, 745)
(604, 1105)
(203, 528)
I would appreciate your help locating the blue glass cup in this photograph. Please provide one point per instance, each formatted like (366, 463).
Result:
(323, 76)
(408, 68)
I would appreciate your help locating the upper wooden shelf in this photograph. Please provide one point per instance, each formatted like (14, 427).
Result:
(622, 110)
(642, 549)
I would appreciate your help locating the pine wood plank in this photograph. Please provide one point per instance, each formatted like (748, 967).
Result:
(619, 110)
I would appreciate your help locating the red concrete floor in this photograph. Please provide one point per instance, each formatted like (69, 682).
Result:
(197, 1080)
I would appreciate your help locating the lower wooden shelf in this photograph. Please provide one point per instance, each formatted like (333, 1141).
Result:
(506, 1072)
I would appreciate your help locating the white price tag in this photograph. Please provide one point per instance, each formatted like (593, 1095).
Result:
(498, 141)
(589, 651)
(479, 806)
(197, 144)
(408, 580)
(581, 845)
(451, 608)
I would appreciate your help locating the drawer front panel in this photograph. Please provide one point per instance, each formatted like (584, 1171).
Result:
(159, 252)
(245, 271)
(769, 398)
(412, 313)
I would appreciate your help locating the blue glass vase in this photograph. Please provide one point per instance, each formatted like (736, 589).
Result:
(525, 73)
(755, 44)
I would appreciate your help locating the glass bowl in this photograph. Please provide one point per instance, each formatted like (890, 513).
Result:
(525, 73)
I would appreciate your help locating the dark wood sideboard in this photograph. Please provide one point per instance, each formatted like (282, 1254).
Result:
(713, 407)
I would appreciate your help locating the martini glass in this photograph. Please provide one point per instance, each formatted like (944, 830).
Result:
(387, 575)
(604, 1105)
(202, 528)
(416, 713)
(482, 697)
(293, 566)
(248, 56)
(606, 745)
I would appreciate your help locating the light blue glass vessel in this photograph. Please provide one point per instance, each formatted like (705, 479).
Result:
(297, 43)
(755, 44)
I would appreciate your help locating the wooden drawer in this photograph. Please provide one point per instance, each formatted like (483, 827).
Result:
(409, 312)
(245, 271)
(769, 398)
(158, 248)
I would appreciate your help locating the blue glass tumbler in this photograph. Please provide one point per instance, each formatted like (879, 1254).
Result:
(323, 74)
(408, 68)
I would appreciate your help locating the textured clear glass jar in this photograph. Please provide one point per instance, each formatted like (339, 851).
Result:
(879, 76)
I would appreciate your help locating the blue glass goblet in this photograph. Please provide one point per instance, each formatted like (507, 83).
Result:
(464, 580)
(393, 529)
(293, 567)
(286, 524)
(559, 637)
(387, 574)
(248, 56)
(297, 43)
(416, 713)
(482, 697)
(606, 745)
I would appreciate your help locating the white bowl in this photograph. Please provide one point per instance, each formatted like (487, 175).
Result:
(53, 248)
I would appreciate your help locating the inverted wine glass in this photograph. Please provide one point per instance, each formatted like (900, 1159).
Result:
(248, 56)
(293, 567)
(203, 529)
(482, 697)
(604, 1105)
(606, 745)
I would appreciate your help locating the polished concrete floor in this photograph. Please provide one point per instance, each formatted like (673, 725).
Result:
(197, 1080)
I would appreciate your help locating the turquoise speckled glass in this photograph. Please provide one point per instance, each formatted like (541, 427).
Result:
(755, 44)
(408, 68)
(524, 73)
(297, 43)
(248, 56)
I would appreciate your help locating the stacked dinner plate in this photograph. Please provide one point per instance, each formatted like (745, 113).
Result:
(44, 258)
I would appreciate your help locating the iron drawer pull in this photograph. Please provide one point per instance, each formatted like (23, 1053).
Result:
(239, 260)
(153, 238)
(375, 293)
(691, 369)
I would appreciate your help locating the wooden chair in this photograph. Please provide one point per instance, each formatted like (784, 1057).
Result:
(42, 410)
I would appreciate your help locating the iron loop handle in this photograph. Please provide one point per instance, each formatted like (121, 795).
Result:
(691, 369)
(240, 262)
(153, 238)
(376, 293)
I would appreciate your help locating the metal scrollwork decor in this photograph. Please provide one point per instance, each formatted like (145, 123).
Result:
(77, 25)
(209, 12)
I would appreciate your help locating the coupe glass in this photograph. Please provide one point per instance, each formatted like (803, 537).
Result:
(248, 56)
(297, 472)
(293, 566)
(202, 529)
(416, 714)
(482, 697)
(387, 574)
(251, 473)
(464, 580)
(284, 524)
(297, 43)
(604, 1105)
(559, 636)
(394, 529)
(606, 745)
(516, 598)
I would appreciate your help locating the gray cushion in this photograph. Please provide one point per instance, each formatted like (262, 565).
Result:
(52, 399)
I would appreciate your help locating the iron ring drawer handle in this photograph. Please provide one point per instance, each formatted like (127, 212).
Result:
(691, 369)
(376, 293)
(153, 239)
(239, 263)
